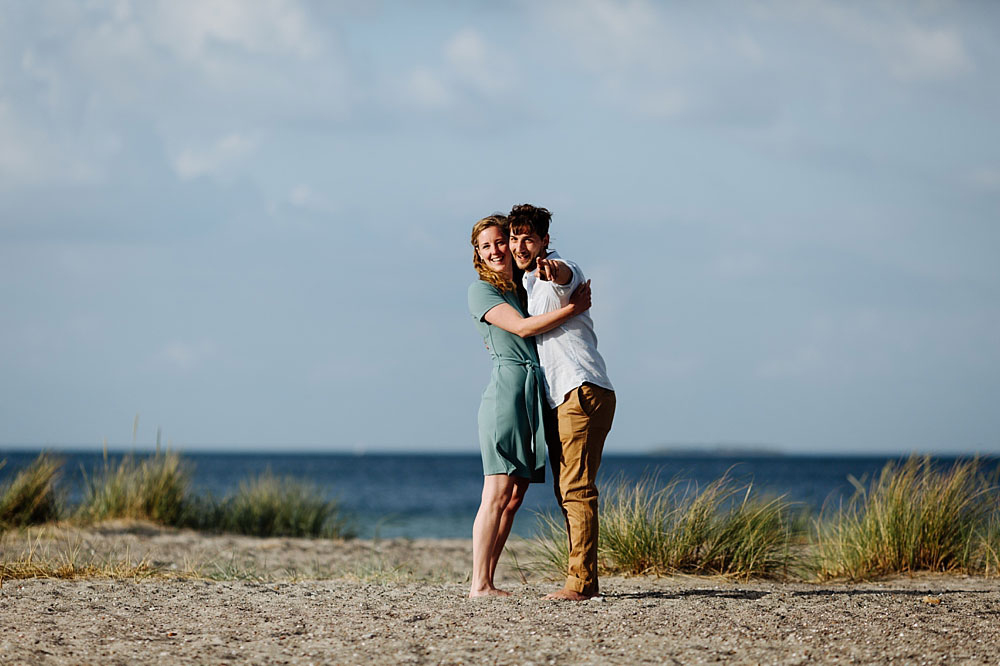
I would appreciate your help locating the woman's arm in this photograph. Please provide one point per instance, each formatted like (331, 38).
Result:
(510, 320)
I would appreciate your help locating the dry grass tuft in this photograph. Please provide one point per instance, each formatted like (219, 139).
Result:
(37, 559)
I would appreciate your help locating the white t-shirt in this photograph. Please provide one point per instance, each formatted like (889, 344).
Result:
(568, 353)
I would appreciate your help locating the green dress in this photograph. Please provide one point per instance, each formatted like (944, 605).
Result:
(511, 417)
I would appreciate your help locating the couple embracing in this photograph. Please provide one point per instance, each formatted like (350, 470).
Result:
(549, 392)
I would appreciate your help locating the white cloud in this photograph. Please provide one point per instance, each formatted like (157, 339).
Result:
(466, 49)
(158, 55)
(748, 65)
(17, 158)
(192, 27)
(663, 62)
(471, 70)
(216, 159)
(921, 53)
(476, 64)
(908, 51)
(89, 89)
(29, 155)
(304, 197)
(426, 89)
(608, 35)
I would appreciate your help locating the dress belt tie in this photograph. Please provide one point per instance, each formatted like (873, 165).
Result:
(533, 378)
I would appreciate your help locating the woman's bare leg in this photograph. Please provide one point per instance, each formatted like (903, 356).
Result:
(497, 489)
(507, 520)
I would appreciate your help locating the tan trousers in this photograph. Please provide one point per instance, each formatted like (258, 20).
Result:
(583, 422)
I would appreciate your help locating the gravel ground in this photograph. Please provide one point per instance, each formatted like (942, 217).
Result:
(404, 602)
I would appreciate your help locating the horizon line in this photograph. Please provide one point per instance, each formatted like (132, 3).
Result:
(714, 450)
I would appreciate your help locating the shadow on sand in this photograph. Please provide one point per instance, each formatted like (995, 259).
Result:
(754, 595)
(749, 595)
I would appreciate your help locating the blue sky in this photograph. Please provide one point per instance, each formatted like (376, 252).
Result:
(248, 221)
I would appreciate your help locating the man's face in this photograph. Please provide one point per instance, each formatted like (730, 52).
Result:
(527, 247)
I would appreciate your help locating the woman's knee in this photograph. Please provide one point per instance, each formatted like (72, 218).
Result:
(517, 495)
(496, 493)
(495, 503)
(514, 503)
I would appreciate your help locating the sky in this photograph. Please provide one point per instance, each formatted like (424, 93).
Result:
(247, 222)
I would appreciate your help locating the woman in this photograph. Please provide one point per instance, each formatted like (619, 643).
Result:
(511, 424)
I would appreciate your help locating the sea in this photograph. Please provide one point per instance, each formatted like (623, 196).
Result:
(436, 495)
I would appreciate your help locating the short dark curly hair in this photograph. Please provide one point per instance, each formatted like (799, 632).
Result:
(525, 219)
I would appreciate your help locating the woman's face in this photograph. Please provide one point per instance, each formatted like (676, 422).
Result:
(492, 248)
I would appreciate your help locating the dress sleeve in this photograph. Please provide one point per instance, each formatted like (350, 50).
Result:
(483, 297)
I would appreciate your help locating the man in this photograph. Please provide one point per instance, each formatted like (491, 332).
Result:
(578, 389)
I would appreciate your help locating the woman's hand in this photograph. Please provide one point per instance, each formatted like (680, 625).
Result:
(506, 317)
(580, 299)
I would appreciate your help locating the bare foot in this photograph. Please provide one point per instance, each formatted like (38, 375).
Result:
(568, 595)
(488, 592)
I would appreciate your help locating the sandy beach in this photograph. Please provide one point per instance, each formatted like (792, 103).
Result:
(232, 599)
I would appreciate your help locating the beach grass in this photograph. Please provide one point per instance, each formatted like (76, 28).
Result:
(269, 505)
(989, 547)
(156, 488)
(153, 487)
(723, 529)
(548, 552)
(31, 497)
(913, 516)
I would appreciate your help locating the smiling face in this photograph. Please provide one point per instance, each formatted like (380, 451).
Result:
(527, 246)
(491, 244)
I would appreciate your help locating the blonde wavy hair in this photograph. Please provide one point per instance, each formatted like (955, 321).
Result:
(487, 274)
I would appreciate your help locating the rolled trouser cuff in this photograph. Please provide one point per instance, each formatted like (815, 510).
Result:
(581, 586)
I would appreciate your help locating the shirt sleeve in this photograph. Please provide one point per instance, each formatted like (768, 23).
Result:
(483, 297)
(564, 290)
